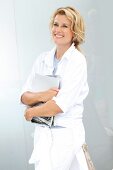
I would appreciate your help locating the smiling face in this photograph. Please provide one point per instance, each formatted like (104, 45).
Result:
(61, 31)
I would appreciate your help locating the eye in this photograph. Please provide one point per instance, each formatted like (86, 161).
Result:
(55, 24)
(65, 26)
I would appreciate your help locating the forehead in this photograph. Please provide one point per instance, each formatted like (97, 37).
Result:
(62, 19)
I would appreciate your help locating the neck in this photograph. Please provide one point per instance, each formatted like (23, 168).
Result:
(60, 51)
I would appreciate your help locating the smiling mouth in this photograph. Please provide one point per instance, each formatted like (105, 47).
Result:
(58, 36)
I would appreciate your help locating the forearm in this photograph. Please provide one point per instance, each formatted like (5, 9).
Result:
(31, 98)
(50, 108)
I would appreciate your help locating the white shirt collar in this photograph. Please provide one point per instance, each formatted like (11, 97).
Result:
(49, 58)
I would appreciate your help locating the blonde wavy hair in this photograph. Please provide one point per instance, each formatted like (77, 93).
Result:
(77, 24)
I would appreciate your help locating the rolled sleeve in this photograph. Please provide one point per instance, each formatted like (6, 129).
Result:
(74, 88)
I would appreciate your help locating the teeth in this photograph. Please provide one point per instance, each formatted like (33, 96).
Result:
(59, 36)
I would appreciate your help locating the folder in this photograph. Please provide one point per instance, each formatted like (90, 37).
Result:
(43, 83)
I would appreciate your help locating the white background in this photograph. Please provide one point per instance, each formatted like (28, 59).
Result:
(24, 34)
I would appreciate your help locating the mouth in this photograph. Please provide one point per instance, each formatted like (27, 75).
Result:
(58, 36)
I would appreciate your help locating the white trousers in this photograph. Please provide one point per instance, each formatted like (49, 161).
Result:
(58, 149)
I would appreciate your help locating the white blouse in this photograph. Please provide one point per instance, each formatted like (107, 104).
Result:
(72, 69)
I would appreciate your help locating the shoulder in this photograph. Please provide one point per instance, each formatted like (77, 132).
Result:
(44, 55)
(77, 57)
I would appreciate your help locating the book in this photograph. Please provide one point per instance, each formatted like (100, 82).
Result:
(43, 83)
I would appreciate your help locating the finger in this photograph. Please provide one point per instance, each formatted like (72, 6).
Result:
(26, 115)
(55, 89)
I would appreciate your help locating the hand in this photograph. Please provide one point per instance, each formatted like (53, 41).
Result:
(28, 114)
(49, 94)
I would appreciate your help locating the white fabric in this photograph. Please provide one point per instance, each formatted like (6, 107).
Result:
(72, 69)
(74, 88)
(58, 148)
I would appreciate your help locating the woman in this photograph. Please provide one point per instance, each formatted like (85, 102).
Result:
(60, 147)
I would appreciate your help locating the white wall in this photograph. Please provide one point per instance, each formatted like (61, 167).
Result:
(24, 33)
(12, 137)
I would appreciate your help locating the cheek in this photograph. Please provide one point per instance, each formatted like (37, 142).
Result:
(52, 32)
(53, 29)
(70, 36)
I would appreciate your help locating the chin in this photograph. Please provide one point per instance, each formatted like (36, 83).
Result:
(58, 42)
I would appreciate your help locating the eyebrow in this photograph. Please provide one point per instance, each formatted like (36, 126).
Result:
(62, 23)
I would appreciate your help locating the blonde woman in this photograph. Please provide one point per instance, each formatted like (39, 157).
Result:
(60, 147)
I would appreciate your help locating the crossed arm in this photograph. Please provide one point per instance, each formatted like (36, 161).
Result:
(49, 108)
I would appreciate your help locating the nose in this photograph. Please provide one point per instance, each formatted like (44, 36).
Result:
(59, 29)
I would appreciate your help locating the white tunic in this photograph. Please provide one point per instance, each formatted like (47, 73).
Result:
(72, 69)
